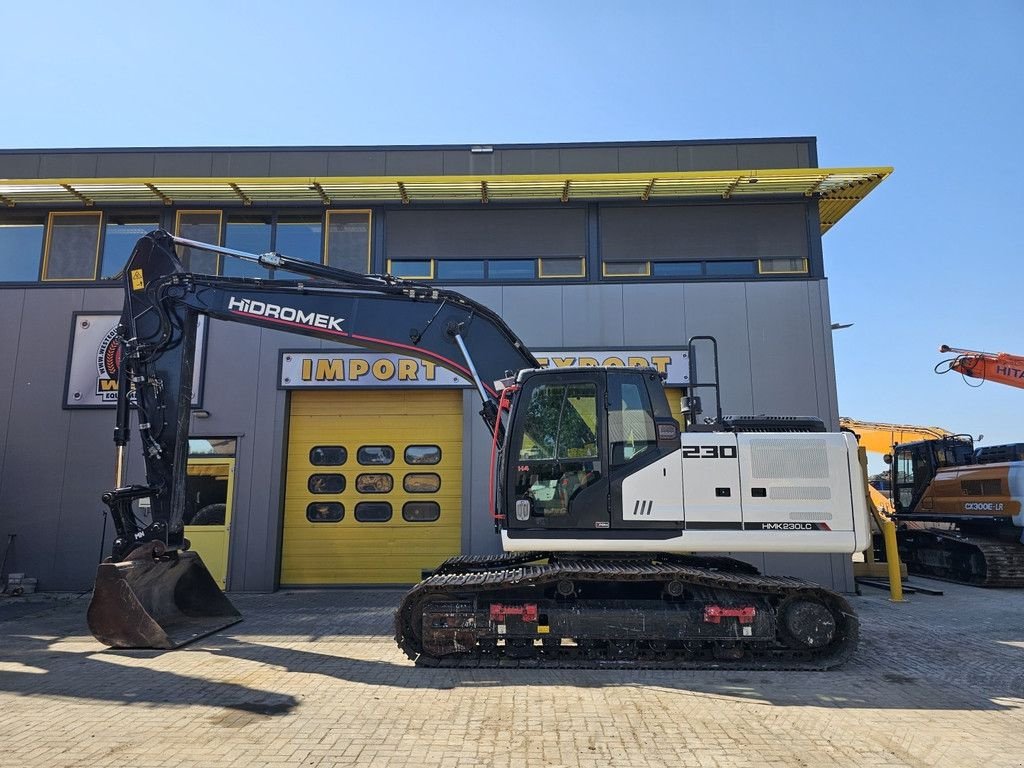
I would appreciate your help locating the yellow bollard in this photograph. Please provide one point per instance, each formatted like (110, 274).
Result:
(892, 559)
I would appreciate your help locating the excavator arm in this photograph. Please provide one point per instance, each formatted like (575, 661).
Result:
(157, 334)
(984, 366)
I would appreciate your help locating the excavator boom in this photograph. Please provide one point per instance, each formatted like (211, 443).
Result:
(999, 367)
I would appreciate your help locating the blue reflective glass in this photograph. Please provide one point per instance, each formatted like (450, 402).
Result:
(676, 268)
(252, 236)
(414, 270)
(460, 270)
(731, 268)
(512, 269)
(20, 248)
(119, 238)
(300, 239)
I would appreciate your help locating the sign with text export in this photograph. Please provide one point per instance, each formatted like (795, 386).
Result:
(329, 370)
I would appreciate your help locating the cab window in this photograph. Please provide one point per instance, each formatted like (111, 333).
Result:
(631, 431)
(561, 422)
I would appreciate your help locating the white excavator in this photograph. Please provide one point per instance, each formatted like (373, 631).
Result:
(609, 516)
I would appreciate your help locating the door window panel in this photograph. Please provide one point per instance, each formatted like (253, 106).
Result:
(375, 483)
(631, 429)
(423, 454)
(373, 512)
(326, 483)
(421, 511)
(328, 455)
(325, 512)
(370, 455)
(421, 482)
(206, 494)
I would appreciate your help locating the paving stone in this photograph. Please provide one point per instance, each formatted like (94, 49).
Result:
(313, 678)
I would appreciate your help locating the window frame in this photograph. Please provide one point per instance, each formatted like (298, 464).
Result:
(645, 273)
(220, 229)
(326, 237)
(412, 277)
(804, 271)
(47, 242)
(561, 276)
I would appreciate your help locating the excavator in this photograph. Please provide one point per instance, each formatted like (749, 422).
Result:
(958, 508)
(984, 366)
(608, 515)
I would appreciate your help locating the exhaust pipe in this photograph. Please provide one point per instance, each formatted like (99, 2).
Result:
(157, 599)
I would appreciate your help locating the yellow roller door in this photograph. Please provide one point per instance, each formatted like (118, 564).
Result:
(374, 486)
(675, 404)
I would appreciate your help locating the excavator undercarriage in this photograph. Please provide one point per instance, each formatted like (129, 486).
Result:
(647, 611)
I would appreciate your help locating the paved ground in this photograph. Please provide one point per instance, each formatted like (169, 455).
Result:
(313, 679)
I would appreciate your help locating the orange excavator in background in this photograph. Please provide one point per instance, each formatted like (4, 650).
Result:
(879, 437)
(984, 366)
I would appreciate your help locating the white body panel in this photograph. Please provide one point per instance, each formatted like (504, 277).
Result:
(748, 492)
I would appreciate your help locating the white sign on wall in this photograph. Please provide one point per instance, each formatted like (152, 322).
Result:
(332, 370)
(96, 356)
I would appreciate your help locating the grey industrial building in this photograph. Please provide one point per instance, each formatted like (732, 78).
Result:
(592, 253)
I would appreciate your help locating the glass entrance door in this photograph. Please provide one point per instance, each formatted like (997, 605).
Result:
(209, 490)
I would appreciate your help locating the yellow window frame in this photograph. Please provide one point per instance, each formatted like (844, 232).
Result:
(205, 212)
(645, 273)
(803, 271)
(49, 234)
(429, 276)
(369, 232)
(542, 276)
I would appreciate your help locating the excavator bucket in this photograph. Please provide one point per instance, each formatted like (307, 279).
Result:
(157, 603)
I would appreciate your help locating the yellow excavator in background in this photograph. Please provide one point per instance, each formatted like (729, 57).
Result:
(879, 437)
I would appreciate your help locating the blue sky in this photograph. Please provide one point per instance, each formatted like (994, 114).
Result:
(935, 89)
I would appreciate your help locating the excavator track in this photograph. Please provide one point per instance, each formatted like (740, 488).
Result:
(953, 556)
(537, 610)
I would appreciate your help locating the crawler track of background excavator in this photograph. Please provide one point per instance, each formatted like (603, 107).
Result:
(952, 556)
(621, 611)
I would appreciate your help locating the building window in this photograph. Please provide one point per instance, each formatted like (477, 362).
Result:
(511, 269)
(120, 234)
(412, 270)
(782, 266)
(421, 511)
(677, 269)
(300, 237)
(72, 246)
(730, 268)
(457, 269)
(21, 245)
(203, 226)
(348, 240)
(626, 268)
(250, 234)
(562, 268)
(325, 512)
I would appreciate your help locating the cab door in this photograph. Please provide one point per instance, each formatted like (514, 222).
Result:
(209, 490)
(557, 467)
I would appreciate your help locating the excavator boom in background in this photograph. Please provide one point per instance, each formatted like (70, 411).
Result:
(608, 515)
(999, 367)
